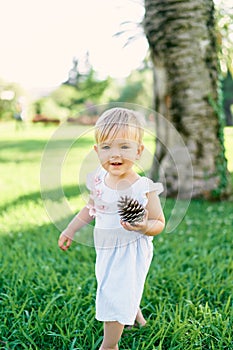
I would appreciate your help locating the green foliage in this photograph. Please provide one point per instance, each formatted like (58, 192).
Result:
(130, 91)
(9, 106)
(74, 98)
(48, 296)
(68, 100)
(91, 89)
(224, 27)
(64, 96)
(48, 107)
(138, 88)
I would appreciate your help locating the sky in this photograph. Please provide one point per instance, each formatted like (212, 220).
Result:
(39, 38)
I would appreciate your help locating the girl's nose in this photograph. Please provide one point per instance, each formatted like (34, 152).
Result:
(115, 153)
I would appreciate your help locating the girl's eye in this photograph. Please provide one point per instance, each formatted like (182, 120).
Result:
(125, 147)
(105, 147)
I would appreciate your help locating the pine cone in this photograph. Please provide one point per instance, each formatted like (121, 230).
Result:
(130, 210)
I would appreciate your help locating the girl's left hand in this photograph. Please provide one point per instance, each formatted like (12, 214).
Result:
(137, 226)
(64, 241)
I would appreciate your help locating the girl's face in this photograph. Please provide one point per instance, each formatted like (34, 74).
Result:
(117, 155)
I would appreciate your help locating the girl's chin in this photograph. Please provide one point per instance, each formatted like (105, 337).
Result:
(116, 167)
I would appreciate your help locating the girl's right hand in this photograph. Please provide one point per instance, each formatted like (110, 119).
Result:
(64, 242)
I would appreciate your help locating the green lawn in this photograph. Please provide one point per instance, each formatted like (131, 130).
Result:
(47, 297)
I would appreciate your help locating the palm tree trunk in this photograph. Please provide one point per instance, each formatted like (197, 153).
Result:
(181, 36)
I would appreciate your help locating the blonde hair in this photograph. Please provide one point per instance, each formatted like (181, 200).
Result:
(119, 119)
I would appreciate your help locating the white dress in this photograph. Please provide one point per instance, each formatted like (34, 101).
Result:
(122, 257)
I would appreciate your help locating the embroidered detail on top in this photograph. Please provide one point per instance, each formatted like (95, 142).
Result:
(97, 180)
(102, 207)
(92, 211)
(98, 193)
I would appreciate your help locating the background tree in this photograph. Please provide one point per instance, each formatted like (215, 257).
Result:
(82, 91)
(76, 94)
(9, 95)
(224, 26)
(137, 87)
(183, 45)
(88, 88)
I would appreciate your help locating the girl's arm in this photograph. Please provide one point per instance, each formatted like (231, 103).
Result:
(80, 220)
(153, 222)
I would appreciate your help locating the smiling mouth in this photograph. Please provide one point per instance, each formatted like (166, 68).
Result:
(116, 163)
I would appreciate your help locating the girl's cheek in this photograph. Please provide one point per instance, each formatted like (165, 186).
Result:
(103, 155)
(103, 159)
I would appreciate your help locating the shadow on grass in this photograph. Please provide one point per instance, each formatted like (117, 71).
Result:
(38, 145)
(55, 194)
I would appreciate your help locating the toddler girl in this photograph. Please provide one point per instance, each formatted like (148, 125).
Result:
(123, 250)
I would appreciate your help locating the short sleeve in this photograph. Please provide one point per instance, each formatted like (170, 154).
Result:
(155, 186)
(146, 186)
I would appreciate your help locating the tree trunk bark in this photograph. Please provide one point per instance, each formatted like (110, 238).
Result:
(190, 157)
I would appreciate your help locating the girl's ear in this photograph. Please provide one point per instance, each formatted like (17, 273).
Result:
(96, 148)
(140, 150)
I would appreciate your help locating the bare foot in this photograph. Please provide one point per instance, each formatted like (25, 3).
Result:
(140, 321)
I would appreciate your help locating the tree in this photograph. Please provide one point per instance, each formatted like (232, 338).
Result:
(76, 94)
(9, 96)
(137, 88)
(183, 45)
(83, 86)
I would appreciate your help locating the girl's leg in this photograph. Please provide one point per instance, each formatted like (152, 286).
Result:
(140, 318)
(112, 335)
